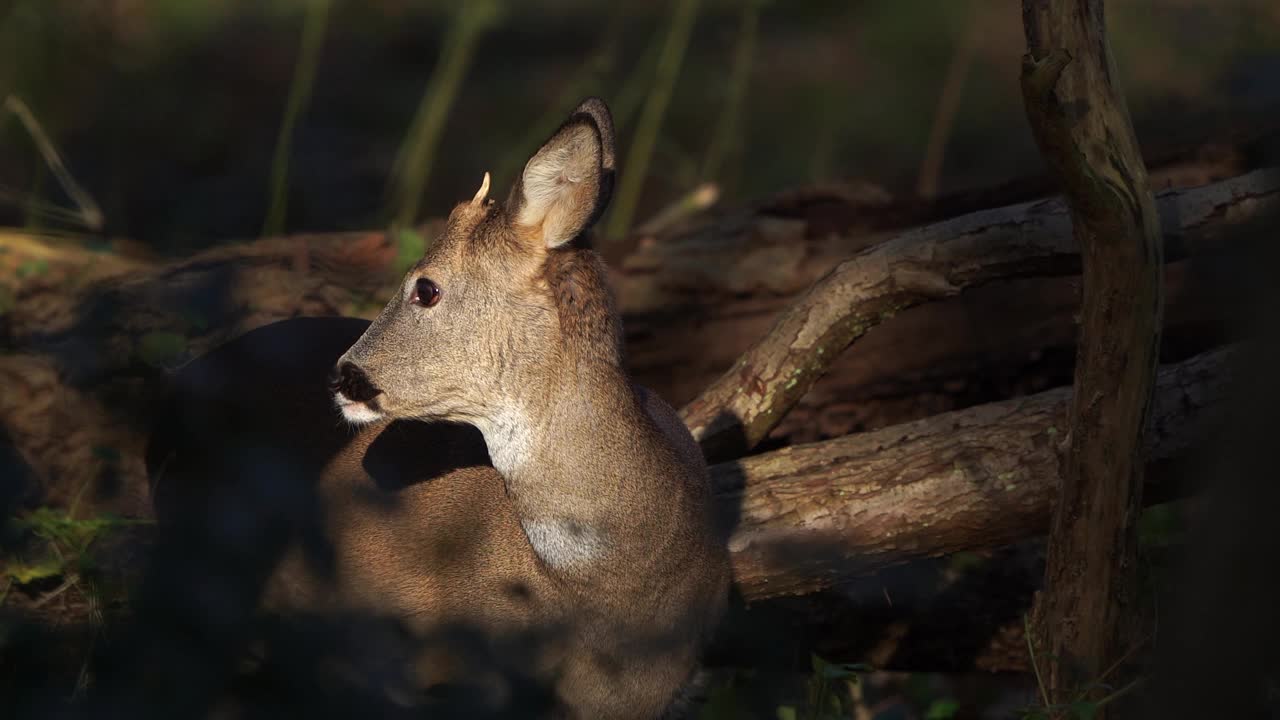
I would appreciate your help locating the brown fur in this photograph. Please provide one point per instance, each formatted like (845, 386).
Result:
(590, 547)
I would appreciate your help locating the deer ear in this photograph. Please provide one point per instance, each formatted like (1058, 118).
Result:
(566, 185)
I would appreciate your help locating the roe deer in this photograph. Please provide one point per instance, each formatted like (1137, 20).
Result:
(585, 553)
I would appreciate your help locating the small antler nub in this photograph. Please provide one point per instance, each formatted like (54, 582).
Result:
(483, 192)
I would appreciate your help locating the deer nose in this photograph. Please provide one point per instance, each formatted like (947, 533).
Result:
(350, 380)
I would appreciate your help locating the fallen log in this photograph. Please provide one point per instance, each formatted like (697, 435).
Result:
(848, 548)
(697, 301)
(808, 517)
(740, 409)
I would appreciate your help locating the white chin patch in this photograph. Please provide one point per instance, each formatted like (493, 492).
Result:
(356, 413)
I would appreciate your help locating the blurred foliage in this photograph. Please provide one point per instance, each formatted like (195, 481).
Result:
(825, 695)
(827, 698)
(169, 111)
(416, 158)
(313, 30)
(1161, 526)
(674, 48)
(162, 349)
(63, 546)
(410, 246)
(942, 709)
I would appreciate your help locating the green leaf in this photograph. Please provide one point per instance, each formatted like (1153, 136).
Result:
(1084, 710)
(69, 535)
(35, 266)
(721, 704)
(787, 712)
(195, 320)
(817, 663)
(964, 561)
(942, 709)
(410, 246)
(160, 349)
(1159, 526)
(23, 573)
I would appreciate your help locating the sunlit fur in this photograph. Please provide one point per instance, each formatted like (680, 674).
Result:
(591, 536)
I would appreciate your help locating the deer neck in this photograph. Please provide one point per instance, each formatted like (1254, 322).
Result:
(569, 459)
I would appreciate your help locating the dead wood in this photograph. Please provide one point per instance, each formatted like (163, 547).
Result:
(930, 263)
(809, 516)
(1083, 619)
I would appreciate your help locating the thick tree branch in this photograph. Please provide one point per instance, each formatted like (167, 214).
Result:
(937, 261)
(1078, 115)
(810, 516)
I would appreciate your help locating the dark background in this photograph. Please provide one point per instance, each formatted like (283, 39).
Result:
(168, 111)
(168, 114)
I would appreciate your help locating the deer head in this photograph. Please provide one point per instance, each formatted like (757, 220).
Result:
(504, 309)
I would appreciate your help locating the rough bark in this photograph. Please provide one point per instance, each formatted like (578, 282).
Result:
(937, 261)
(740, 409)
(696, 300)
(1078, 115)
(807, 517)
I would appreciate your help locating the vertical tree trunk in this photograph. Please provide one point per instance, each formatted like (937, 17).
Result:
(1081, 123)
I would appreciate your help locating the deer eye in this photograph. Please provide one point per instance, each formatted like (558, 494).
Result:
(425, 293)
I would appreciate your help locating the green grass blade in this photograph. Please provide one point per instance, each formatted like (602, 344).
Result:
(314, 24)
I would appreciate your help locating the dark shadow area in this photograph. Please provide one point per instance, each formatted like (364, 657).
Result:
(1216, 653)
(19, 489)
(241, 605)
(103, 343)
(945, 614)
(242, 440)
